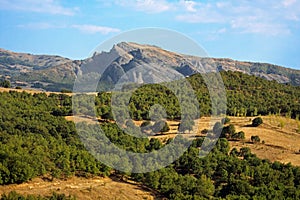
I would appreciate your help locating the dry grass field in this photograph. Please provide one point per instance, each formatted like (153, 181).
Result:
(280, 140)
(31, 91)
(97, 188)
(281, 143)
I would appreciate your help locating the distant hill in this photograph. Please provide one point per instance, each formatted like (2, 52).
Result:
(54, 73)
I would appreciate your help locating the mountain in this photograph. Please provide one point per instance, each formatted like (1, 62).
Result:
(138, 62)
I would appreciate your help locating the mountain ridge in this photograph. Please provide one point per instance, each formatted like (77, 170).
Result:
(54, 73)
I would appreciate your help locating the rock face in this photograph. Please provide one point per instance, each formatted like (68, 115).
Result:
(126, 61)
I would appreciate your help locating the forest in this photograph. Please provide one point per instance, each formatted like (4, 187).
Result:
(37, 140)
(246, 96)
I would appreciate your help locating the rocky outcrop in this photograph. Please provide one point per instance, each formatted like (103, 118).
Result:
(126, 61)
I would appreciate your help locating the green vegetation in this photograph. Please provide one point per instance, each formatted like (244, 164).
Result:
(226, 120)
(35, 139)
(257, 121)
(255, 139)
(5, 84)
(246, 96)
(221, 176)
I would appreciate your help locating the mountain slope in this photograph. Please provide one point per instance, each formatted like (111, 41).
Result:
(135, 60)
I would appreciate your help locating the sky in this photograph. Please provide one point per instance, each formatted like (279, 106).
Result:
(246, 30)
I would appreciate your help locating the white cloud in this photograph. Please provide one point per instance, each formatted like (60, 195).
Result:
(199, 18)
(287, 3)
(256, 16)
(85, 28)
(189, 5)
(40, 25)
(254, 26)
(244, 16)
(148, 6)
(92, 29)
(39, 6)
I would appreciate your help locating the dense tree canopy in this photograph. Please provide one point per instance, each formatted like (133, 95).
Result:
(246, 96)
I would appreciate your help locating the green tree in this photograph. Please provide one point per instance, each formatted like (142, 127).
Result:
(255, 139)
(160, 126)
(257, 121)
(5, 84)
(186, 125)
(226, 120)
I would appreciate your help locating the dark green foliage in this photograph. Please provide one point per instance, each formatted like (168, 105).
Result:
(225, 120)
(221, 176)
(34, 141)
(229, 130)
(66, 91)
(238, 136)
(257, 121)
(5, 84)
(204, 131)
(186, 125)
(145, 123)
(160, 126)
(246, 96)
(229, 133)
(255, 139)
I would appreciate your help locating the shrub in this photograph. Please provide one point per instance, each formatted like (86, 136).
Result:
(160, 126)
(225, 120)
(257, 121)
(204, 131)
(255, 139)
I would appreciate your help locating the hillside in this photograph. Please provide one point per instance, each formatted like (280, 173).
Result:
(37, 140)
(54, 73)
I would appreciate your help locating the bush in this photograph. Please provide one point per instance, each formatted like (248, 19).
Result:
(255, 139)
(239, 136)
(160, 126)
(204, 131)
(145, 123)
(257, 121)
(5, 84)
(225, 120)
(66, 91)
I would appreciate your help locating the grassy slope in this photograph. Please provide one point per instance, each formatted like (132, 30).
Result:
(83, 189)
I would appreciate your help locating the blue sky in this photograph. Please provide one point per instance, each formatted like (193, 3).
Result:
(247, 30)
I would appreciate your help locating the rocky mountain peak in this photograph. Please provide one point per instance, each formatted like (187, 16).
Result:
(141, 63)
